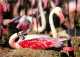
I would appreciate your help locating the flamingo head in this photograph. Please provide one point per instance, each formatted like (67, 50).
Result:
(58, 12)
(24, 27)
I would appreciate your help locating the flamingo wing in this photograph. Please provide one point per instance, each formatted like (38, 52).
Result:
(40, 43)
(32, 36)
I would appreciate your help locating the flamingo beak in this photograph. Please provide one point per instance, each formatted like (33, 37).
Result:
(19, 25)
(61, 17)
(22, 26)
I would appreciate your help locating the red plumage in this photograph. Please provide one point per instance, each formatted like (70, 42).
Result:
(40, 43)
(43, 43)
(4, 31)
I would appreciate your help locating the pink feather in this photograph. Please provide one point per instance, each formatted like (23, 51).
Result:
(4, 31)
(61, 17)
(41, 43)
(68, 48)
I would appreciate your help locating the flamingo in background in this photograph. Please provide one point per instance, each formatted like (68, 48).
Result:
(58, 12)
(35, 41)
(43, 20)
(3, 7)
(41, 28)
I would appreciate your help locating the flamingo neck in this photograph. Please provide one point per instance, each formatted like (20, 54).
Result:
(12, 42)
(53, 29)
(43, 20)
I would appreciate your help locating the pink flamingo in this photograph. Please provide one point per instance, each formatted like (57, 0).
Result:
(35, 41)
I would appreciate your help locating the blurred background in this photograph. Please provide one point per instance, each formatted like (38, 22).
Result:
(16, 8)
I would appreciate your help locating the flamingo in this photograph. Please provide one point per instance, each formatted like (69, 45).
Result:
(41, 28)
(43, 20)
(21, 24)
(58, 12)
(35, 41)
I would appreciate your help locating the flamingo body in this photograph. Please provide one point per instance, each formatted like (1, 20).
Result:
(41, 43)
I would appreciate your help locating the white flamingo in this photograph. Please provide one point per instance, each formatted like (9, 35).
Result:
(58, 12)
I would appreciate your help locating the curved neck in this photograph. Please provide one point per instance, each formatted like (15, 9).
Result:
(43, 20)
(12, 42)
(53, 29)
